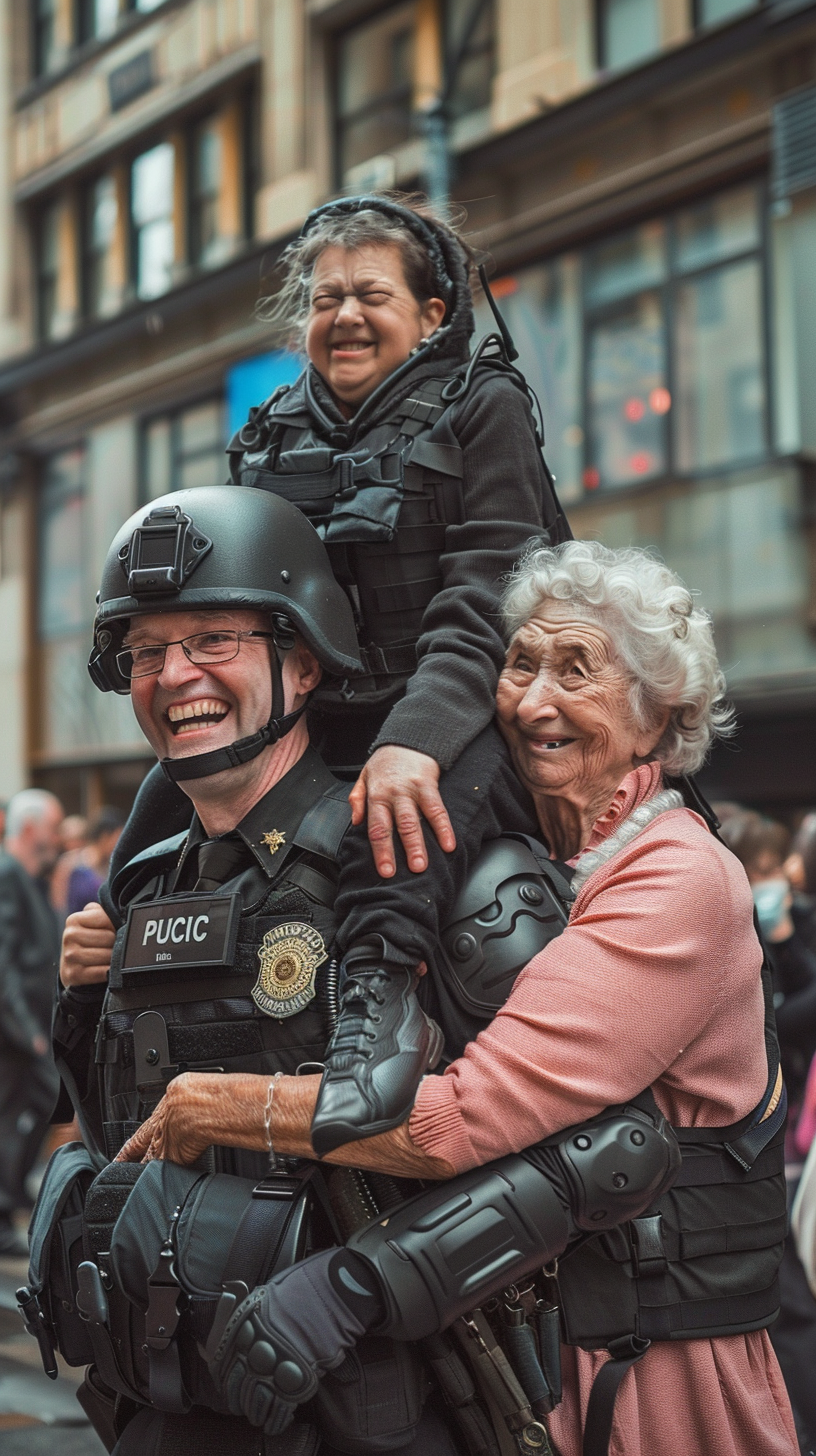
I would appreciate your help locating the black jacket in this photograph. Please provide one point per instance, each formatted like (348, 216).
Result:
(507, 499)
(29, 955)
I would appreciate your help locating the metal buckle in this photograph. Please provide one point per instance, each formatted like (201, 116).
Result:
(163, 1314)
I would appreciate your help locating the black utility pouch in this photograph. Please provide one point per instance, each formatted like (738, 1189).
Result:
(373, 1402)
(56, 1251)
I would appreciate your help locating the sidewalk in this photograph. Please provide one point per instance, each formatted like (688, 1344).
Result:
(37, 1415)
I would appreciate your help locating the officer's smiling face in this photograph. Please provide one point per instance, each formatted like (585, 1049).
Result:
(189, 708)
(364, 320)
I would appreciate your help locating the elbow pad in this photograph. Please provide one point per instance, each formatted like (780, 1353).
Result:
(444, 1252)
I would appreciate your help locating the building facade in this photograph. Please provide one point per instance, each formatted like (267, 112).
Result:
(642, 174)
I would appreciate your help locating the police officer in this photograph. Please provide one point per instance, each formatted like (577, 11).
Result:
(224, 963)
(422, 469)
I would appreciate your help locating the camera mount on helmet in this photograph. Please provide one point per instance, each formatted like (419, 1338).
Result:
(163, 552)
(217, 547)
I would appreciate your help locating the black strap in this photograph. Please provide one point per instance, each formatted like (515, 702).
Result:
(389, 661)
(69, 1083)
(601, 1408)
(323, 827)
(201, 765)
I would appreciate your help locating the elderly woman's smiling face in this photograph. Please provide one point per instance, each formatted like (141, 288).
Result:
(563, 707)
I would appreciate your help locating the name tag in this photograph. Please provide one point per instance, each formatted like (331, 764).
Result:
(181, 933)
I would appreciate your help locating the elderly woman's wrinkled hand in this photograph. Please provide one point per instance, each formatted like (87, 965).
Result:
(87, 946)
(395, 785)
(184, 1122)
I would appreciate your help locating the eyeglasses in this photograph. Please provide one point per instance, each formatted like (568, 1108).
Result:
(202, 649)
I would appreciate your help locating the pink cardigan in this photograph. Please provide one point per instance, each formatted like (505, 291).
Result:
(654, 982)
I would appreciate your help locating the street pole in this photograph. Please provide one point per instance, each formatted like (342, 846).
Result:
(437, 153)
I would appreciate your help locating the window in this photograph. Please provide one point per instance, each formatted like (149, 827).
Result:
(63, 609)
(628, 32)
(135, 229)
(47, 57)
(470, 44)
(385, 67)
(102, 242)
(675, 370)
(719, 385)
(184, 450)
(647, 350)
(62, 604)
(59, 26)
(151, 201)
(48, 251)
(206, 181)
(95, 19)
(712, 12)
(374, 85)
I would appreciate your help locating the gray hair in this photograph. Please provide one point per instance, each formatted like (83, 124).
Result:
(288, 310)
(664, 643)
(30, 806)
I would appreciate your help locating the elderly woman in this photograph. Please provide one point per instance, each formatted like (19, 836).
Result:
(610, 682)
(423, 471)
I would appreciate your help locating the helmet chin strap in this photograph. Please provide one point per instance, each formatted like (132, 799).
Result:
(202, 765)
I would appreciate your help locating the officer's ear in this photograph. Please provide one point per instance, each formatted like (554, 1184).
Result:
(304, 667)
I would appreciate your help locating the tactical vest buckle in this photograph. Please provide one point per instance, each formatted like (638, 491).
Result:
(648, 1253)
(347, 489)
(161, 1320)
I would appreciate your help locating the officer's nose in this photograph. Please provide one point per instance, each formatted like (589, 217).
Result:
(178, 668)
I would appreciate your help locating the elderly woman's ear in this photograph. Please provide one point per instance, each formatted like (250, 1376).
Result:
(648, 739)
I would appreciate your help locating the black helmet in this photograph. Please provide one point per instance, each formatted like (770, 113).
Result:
(222, 547)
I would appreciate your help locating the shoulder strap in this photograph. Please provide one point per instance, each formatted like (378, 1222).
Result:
(141, 869)
(324, 826)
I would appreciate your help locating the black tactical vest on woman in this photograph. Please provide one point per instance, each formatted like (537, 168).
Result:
(703, 1260)
(381, 505)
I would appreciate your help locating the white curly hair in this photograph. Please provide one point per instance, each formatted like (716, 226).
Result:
(664, 643)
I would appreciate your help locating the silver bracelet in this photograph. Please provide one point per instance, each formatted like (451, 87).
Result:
(267, 1117)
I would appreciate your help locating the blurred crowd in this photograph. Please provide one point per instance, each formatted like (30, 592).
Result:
(781, 867)
(50, 865)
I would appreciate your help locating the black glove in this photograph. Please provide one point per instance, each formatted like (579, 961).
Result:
(286, 1334)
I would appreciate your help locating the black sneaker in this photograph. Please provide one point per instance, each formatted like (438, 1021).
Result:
(381, 1048)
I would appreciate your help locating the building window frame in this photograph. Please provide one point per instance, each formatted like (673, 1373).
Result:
(667, 290)
(398, 96)
(178, 456)
(744, 7)
(82, 37)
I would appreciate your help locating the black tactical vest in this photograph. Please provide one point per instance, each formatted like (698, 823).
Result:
(381, 507)
(264, 1002)
(703, 1260)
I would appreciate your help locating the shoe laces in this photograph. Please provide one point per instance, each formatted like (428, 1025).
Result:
(361, 996)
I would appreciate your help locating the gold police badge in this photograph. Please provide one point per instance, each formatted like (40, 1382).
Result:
(289, 955)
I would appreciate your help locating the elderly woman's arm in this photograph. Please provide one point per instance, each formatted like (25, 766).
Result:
(200, 1109)
(659, 939)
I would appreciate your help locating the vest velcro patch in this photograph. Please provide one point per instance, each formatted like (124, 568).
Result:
(179, 933)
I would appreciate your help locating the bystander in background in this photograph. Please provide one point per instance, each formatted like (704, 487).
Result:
(29, 954)
(90, 867)
(74, 840)
(775, 867)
